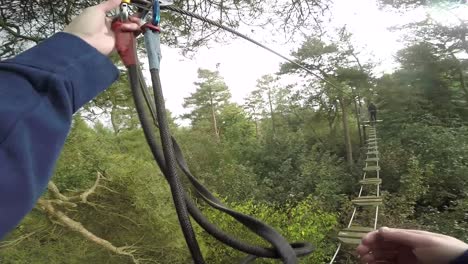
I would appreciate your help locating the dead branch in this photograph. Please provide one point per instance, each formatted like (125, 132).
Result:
(83, 197)
(63, 203)
(12, 243)
(63, 219)
(54, 190)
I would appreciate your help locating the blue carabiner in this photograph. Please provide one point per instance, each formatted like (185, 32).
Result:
(156, 13)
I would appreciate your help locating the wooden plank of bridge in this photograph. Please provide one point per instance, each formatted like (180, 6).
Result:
(371, 181)
(354, 234)
(368, 201)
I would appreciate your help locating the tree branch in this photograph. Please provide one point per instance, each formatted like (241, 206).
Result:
(63, 219)
(56, 192)
(16, 33)
(12, 243)
(83, 197)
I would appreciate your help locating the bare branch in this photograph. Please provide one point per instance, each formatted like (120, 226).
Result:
(63, 219)
(64, 203)
(84, 196)
(56, 192)
(16, 32)
(68, 201)
(12, 243)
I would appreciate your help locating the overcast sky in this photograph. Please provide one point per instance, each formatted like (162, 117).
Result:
(242, 63)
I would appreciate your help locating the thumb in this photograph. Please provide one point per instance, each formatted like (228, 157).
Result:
(109, 5)
(402, 236)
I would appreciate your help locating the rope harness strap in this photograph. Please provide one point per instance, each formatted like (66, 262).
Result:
(169, 157)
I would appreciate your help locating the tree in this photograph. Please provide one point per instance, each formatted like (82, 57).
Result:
(411, 4)
(208, 100)
(434, 76)
(268, 89)
(115, 104)
(23, 23)
(254, 106)
(336, 63)
(448, 43)
(235, 124)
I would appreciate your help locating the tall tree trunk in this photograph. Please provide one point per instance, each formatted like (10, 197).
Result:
(347, 138)
(256, 129)
(461, 76)
(358, 117)
(462, 82)
(364, 135)
(256, 123)
(215, 122)
(115, 126)
(271, 112)
(331, 125)
(331, 118)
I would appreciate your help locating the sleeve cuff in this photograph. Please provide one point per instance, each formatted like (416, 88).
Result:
(74, 60)
(463, 259)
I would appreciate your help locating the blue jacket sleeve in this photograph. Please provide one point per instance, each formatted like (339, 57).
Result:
(463, 259)
(40, 90)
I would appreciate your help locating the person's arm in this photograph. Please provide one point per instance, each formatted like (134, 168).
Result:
(40, 90)
(403, 246)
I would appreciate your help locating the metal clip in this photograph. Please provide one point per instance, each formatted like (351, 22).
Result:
(156, 13)
(124, 11)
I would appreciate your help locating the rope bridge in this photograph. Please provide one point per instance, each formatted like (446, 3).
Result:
(369, 194)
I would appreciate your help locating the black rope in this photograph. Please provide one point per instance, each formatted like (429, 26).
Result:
(177, 191)
(281, 247)
(171, 158)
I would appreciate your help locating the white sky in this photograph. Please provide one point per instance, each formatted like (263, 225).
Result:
(242, 63)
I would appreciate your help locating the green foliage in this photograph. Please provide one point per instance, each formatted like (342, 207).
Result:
(235, 124)
(326, 176)
(412, 184)
(79, 163)
(304, 221)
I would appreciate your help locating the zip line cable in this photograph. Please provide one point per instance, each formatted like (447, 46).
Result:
(146, 7)
(219, 25)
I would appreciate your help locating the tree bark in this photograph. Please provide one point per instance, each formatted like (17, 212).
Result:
(358, 118)
(271, 112)
(461, 76)
(115, 126)
(256, 123)
(347, 138)
(215, 122)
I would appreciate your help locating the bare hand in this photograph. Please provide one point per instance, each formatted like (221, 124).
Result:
(95, 28)
(399, 246)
